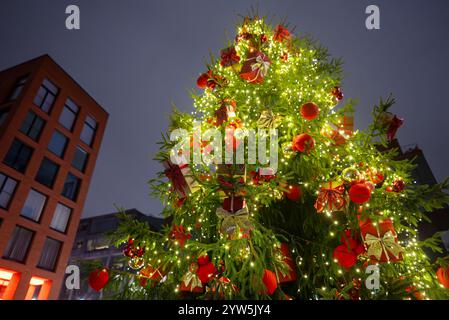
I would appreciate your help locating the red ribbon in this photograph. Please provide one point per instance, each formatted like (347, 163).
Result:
(332, 197)
(175, 175)
(229, 57)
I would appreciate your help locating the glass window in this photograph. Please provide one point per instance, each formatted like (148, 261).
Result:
(71, 187)
(58, 143)
(47, 173)
(96, 244)
(18, 156)
(7, 187)
(80, 160)
(19, 244)
(17, 89)
(68, 115)
(88, 133)
(50, 254)
(34, 205)
(3, 115)
(61, 218)
(46, 95)
(32, 125)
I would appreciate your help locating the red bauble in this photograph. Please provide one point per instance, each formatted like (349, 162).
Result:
(443, 276)
(398, 185)
(337, 93)
(203, 260)
(202, 80)
(360, 193)
(303, 142)
(294, 193)
(309, 111)
(270, 281)
(98, 279)
(206, 272)
(345, 256)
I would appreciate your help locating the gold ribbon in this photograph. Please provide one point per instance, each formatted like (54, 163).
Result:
(191, 279)
(386, 243)
(268, 120)
(231, 220)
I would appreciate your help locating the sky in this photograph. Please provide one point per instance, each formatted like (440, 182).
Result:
(137, 57)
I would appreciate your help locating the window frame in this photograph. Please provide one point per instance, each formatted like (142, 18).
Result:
(23, 145)
(86, 159)
(61, 156)
(55, 263)
(68, 220)
(48, 91)
(42, 209)
(92, 127)
(25, 258)
(36, 117)
(68, 105)
(13, 192)
(78, 187)
(20, 82)
(53, 178)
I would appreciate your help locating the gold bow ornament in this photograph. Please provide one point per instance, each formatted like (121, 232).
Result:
(383, 248)
(232, 223)
(190, 280)
(268, 120)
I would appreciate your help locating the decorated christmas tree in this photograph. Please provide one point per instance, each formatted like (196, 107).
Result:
(273, 194)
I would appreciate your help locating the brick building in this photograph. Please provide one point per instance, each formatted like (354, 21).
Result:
(50, 135)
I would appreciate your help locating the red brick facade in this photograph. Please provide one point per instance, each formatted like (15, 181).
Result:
(15, 277)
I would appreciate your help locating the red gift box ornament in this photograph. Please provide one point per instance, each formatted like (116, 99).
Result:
(255, 68)
(181, 178)
(281, 33)
(393, 127)
(225, 112)
(288, 260)
(229, 57)
(179, 233)
(190, 281)
(381, 241)
(330, 197)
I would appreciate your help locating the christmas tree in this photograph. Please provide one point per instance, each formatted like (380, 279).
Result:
(318, 213)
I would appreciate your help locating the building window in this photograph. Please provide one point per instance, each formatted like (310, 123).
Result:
(34, 205)
(47, 173)
(71, 187)
(61, 218)
(32, 125)
(15, 93)
(97, 244)
(80, 160)
(68, 115)
(19, 244)
(88, 133)
(50, 254)
(3, 115)
(58, 144)
(7, 187)
(18, 156)
(46, 96)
